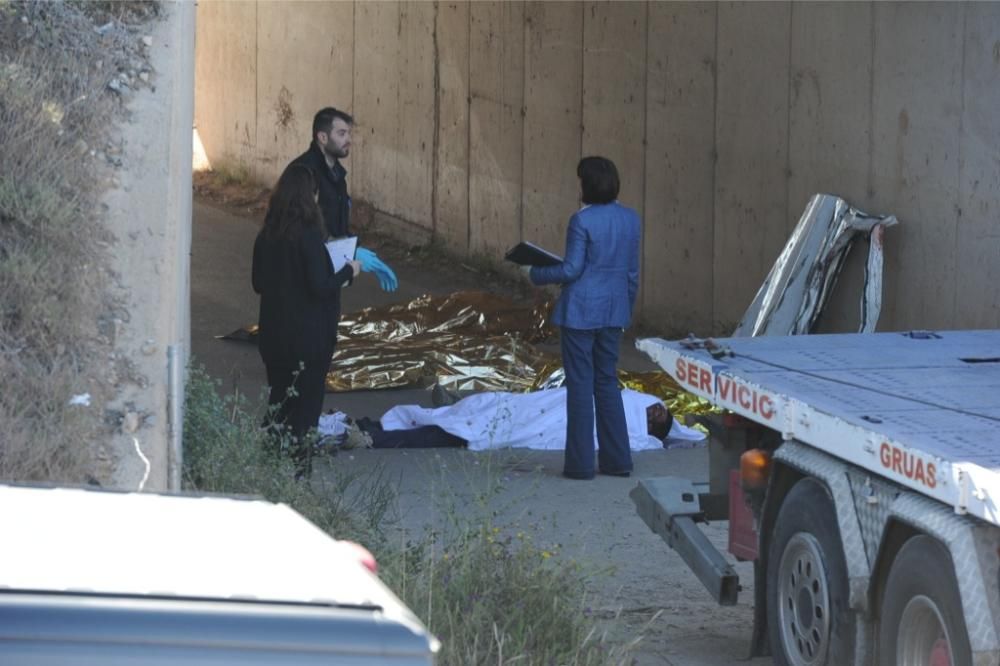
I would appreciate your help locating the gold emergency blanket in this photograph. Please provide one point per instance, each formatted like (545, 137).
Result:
(463, 312)
(663, 386)
(657, 383)
(468, 340)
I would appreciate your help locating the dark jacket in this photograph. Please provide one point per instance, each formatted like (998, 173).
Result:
(332, 182)
(299, 297)
(600, 272)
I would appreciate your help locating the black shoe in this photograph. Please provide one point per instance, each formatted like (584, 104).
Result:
(579, 476)
(624, 474)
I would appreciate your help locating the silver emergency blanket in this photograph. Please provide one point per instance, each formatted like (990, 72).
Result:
(802, 279)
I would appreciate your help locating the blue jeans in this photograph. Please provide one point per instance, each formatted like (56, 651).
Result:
(590, 358)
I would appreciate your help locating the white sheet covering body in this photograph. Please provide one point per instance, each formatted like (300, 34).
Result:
(518, 420)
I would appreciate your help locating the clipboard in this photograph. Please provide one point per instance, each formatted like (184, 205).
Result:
(529, 254)
(341, 250)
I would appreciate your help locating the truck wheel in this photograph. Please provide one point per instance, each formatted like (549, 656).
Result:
(922, 620)
(809, 620)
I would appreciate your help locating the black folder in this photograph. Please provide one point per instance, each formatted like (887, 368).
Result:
(529, 254)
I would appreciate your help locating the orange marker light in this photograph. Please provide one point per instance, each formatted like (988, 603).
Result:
(755, 468)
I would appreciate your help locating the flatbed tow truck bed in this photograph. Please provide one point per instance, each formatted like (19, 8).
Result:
(921, 409)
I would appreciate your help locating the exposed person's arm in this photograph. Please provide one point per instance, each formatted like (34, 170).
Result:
(319, 281)
(572, 264)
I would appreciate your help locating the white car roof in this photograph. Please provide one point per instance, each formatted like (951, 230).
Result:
(93, 541)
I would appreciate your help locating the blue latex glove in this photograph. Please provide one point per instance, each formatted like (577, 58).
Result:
(370, 263)
(366, 258)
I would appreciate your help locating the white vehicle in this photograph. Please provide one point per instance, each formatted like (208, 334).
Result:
(868, 500)
(89, 577)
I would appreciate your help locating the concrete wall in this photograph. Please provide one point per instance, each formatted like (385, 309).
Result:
(723, 119)
(149, 213)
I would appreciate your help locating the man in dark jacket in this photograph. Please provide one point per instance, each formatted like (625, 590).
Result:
(331, 141)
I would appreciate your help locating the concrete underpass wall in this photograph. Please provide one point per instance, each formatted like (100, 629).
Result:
(149, 212)
(723, 119)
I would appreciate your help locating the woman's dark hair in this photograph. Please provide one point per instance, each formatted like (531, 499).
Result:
(293, 204)
(598, 180)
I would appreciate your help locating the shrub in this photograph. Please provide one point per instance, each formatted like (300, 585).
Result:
(494, 597)
(56, 308)
(487, 591)
(226, 451)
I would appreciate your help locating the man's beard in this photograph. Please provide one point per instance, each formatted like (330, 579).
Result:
(335, 153)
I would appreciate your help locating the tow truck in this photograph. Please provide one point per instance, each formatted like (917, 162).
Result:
(861, 474)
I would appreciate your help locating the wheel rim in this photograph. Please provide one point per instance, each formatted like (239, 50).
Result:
(803, 601)
(922, 639)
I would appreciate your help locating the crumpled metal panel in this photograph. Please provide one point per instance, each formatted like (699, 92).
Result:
(802, 279)
(871, 301)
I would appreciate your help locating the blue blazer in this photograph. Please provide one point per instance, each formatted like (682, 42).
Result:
(599, 273)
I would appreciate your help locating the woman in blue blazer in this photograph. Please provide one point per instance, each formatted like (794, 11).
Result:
(599, 275)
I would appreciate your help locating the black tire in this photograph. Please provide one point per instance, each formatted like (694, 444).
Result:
(922, 608)
(808, 617)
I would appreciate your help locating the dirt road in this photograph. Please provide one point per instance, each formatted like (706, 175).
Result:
(644, 587)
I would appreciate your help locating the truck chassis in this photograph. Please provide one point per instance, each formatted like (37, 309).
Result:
(877, 536)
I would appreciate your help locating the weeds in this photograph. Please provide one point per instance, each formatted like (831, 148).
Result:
(486, 590)
(494, 596)
(232, 173)
(226, 451)
(124, 11)
(55, 67)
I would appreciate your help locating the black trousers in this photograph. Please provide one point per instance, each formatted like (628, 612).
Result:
(296, 399)
(424, 437)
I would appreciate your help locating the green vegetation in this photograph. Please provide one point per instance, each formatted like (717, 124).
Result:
(486, 590)
(55, 308)
(232, 173)
(226, 451)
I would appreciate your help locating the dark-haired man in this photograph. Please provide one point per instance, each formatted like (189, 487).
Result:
(331, 141)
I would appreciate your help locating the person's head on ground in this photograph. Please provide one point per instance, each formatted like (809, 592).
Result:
(293, 204)
(658, 420)
(598, 180)
(331, 131)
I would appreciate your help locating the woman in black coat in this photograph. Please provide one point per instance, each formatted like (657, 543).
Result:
(299, 307)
